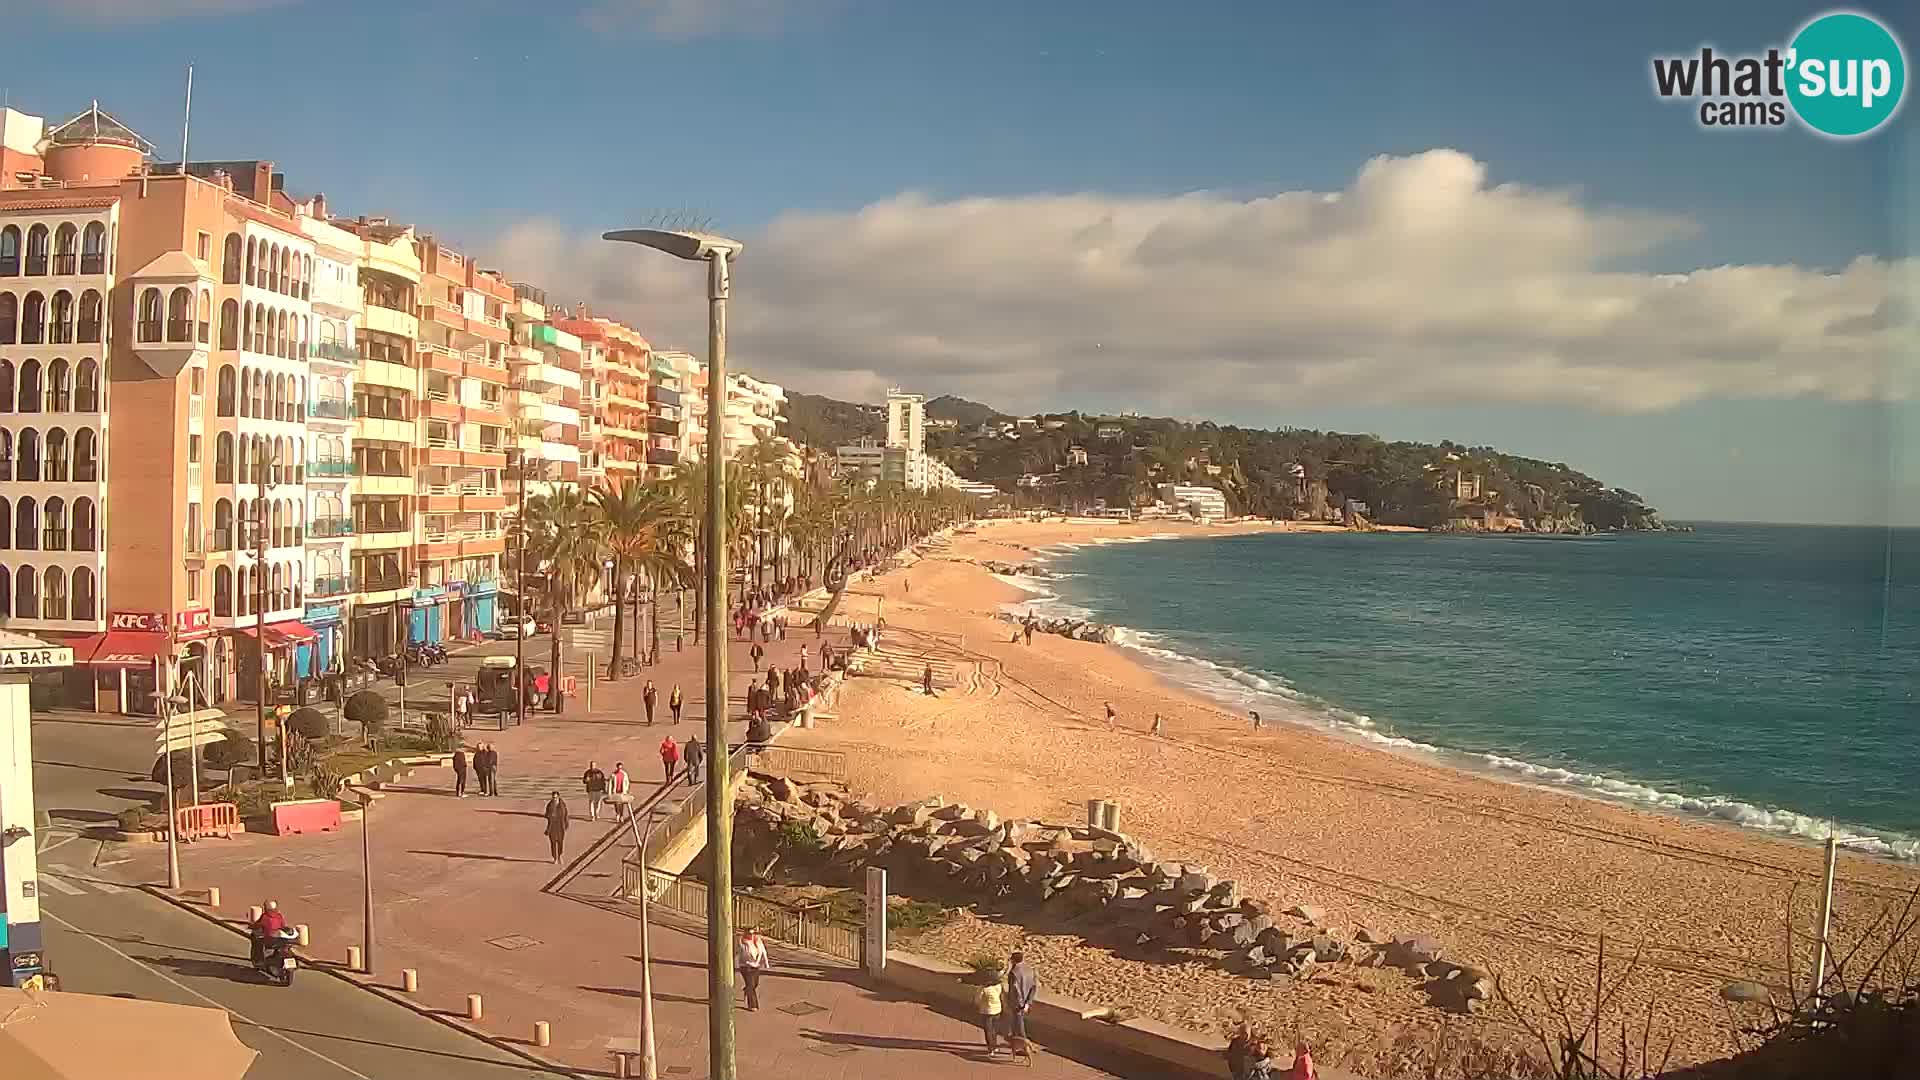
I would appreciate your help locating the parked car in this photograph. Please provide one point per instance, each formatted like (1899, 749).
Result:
(523, 627)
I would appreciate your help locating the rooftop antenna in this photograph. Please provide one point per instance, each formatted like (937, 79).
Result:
(186, 125)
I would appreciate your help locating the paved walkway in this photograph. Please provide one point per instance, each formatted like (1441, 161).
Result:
(458, 887)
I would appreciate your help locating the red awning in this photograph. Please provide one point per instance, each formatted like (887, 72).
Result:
(121, 648)
(282, 634)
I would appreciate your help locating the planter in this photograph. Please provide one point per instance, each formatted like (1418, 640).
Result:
(305, 815)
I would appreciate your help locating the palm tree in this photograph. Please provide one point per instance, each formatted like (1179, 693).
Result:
(569, 541)
(766, 470)
(647, 533)
(690, 486)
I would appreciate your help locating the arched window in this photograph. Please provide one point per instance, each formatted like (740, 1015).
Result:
(222, 526)
(243, 473)
(85, 604)
(60, 318)
(261, 332)
(222, 592)
(26, 464)
(29, 396)
(223, 391)
(6, 525)
(84, 525)
(223, 458)
(53, 601)
(230, 324)
(57, 460)
(259, 396)
(26, 592)
(276, 524)
(280, 336)
(9, 251)
(59, 386)
(26, 524)
(33, 319)
(242, 595)
(86, 386)
(93, 249)
(277, 590)
(148, 328)
(6, 463)
(6, 592)
(9, 318)
(66, 249)
(86, 456)
(230, 260)
(293, 276)
(180, 315)
(253, 262)
(92, 317)
(280, 277)
(203, 327)
(6, 386)
(53, 525)
(306, 280)
(37, 246)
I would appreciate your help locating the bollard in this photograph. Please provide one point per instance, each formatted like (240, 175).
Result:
(306, 939)
(353, 958)
(1096, 812)
(1110, 816)
(253, 914)
(473, 1007)
(213, 896)
(409, 980)
(542, 1034)
(620, 1067)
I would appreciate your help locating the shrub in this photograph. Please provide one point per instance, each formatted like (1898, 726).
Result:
(798, 836)
(324, 781)
(441, 735)
(182, 769)
(230, 751)
(915, 915)
(310, 723)
(986, 966)
(369, 710)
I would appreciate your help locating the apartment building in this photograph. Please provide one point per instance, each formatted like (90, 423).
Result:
(907, 432)
(333, 359)
(461, 447)
(543, 398)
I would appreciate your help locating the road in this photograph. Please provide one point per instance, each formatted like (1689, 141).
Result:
(105, 938)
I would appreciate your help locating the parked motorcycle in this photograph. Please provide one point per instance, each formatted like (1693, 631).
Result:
(274, 957)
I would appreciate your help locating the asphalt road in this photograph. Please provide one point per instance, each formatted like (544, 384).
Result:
(103, 938)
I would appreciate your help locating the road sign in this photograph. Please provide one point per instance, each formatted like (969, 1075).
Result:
(596, 640)
(185, 731)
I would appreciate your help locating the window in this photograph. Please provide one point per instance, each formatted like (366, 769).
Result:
(85, 605)
(93, 249)
(222, 526)
(86, 387)
(86, 456)
(148, 328)
(26, 592)
(91, 317)
(9, 318)
(33, 320)
(37, 246)
(83, 525)
(27, 456)
(10, 251)
(222, 458)
(57, 455)
(194, 536)
(66, 243)
(54, 602)
(222, 592)
(180, 315)
(199, 381)
(26, 525)
(205, 247)
(230, 260)
(224, 391)
(193, 449)
(53, 536)
(229, 325)
(29, 397)
(59, 386)
(60, 328)
(193, 587)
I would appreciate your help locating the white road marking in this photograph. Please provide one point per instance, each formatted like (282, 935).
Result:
(65, 838)
(58, 885)
(236, 1014)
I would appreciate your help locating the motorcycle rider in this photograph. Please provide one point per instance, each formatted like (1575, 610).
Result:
(267, 926)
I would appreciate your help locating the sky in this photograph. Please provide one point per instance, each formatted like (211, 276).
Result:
(1426, 221)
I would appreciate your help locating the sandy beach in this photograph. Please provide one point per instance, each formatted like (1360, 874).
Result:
(1525, 881)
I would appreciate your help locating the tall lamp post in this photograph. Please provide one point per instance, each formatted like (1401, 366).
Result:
(264, 467)
(717, 252)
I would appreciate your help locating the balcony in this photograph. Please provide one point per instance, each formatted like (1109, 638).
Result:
(336, 352)
(662, 395)
(331, 468)
(656, 456)
(372, 583)
(337, 585)
(93, 263)
(331, 409)
(329, 528)
(662, 425)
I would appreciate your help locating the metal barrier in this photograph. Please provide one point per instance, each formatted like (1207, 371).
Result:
(788, 761)
(206, 819)
(807, 928)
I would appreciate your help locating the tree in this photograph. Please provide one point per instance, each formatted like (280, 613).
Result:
(368, 709)
(568, 539)
(309, 723)
(690, 485)
(647, 533)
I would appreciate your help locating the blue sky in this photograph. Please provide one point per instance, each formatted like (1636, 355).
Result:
(476, 117)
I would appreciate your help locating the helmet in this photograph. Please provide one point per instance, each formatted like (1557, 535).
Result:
(272, 905)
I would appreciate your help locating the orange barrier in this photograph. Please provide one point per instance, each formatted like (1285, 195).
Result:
(207, 819)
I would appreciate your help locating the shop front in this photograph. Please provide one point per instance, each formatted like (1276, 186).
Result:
(457, 610)
(375, 630)
(481, 596)
(328, 623)
(426, 623)
(283, 646)
(120, 669)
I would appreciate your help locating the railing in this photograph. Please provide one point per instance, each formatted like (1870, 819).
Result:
(786, 761)
(179, 329)
(443, 396)
(381, 527)
(335, 409)
(464, 488)
(324, 528)
(437, 442)
(93, 264)
(662, 457)
(494, 321)
(332, 468)
(380, 583)
(333, 350)
(442, 350)
(335, 585)
(806, 928)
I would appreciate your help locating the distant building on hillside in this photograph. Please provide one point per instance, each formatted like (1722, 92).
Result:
(907, 433)
(1077, 455)
(1109, 431)
(1205, 503)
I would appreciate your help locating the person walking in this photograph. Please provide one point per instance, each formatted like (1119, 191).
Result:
(1159, 725)
(482, 767)
(1111, 715)
(803, 658)
(460, 708)
(753, 962)
(648, 695)
(596, 784)
(1022, 987)
(926, 680)
(1256, 719)
(674, 701)
(694, 755)
(557, 826)
(755, 654)
(621, 784)
(988, 1004)
(1028, 630)
(670, 758)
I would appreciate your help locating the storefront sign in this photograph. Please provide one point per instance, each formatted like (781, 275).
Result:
(193, 623)
(428, 597)
(321, 614)
(146, 622)
(35, 659)
(480, 588)
(455, 588)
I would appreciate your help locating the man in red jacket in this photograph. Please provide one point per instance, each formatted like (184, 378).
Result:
(670, 757)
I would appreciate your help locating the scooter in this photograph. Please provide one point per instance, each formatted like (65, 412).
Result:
(274, 956)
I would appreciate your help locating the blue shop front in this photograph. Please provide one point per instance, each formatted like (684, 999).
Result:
(481, 596)
(426, 622)
(329, 647)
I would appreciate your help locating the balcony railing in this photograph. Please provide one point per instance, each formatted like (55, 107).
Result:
(379, 582)
(335, 585)
(461, 489)
(337, 409)
(333, 350)
(93, 264)
(325, 528)
(365, 527)
(662, 457)
(332, 468)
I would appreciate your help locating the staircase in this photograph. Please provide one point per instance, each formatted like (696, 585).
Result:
(907, 665)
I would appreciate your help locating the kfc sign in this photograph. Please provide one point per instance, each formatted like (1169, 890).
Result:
(194, 622)
(145, 622)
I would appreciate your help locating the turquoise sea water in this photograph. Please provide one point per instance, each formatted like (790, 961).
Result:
(1764, 675)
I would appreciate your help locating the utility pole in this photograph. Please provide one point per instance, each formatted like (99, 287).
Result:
(260, 606)
(520, 604)
(719, 785)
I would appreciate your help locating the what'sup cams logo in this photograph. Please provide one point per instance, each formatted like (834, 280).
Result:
(1843, 75)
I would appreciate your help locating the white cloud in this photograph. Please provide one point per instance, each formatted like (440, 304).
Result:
(1419, 282)
(683, 19)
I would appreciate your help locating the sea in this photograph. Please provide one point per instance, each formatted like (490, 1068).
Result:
(1761, 675)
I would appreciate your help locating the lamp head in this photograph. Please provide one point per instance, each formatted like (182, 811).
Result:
(685, 245)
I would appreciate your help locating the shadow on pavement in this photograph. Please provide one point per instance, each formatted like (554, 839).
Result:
(627, 992)
(475, 855)
(517, 1063)
(882, 1042)
(236, 971)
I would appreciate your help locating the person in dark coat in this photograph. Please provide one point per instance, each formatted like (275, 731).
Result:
(557, 826)
(694, 755)
(647, 698)
(460, 772)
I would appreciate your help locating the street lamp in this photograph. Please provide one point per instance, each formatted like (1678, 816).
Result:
(648, 1058)
(717, 252)
(165, 704)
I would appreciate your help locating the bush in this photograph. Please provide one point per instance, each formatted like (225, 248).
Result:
(228, 752)
(182, 769)
(798, 836)
(368, 709)
(134, 819)
(915, 915)
(324, 781)
(441, 735)
(310, 723)
(986, 966)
